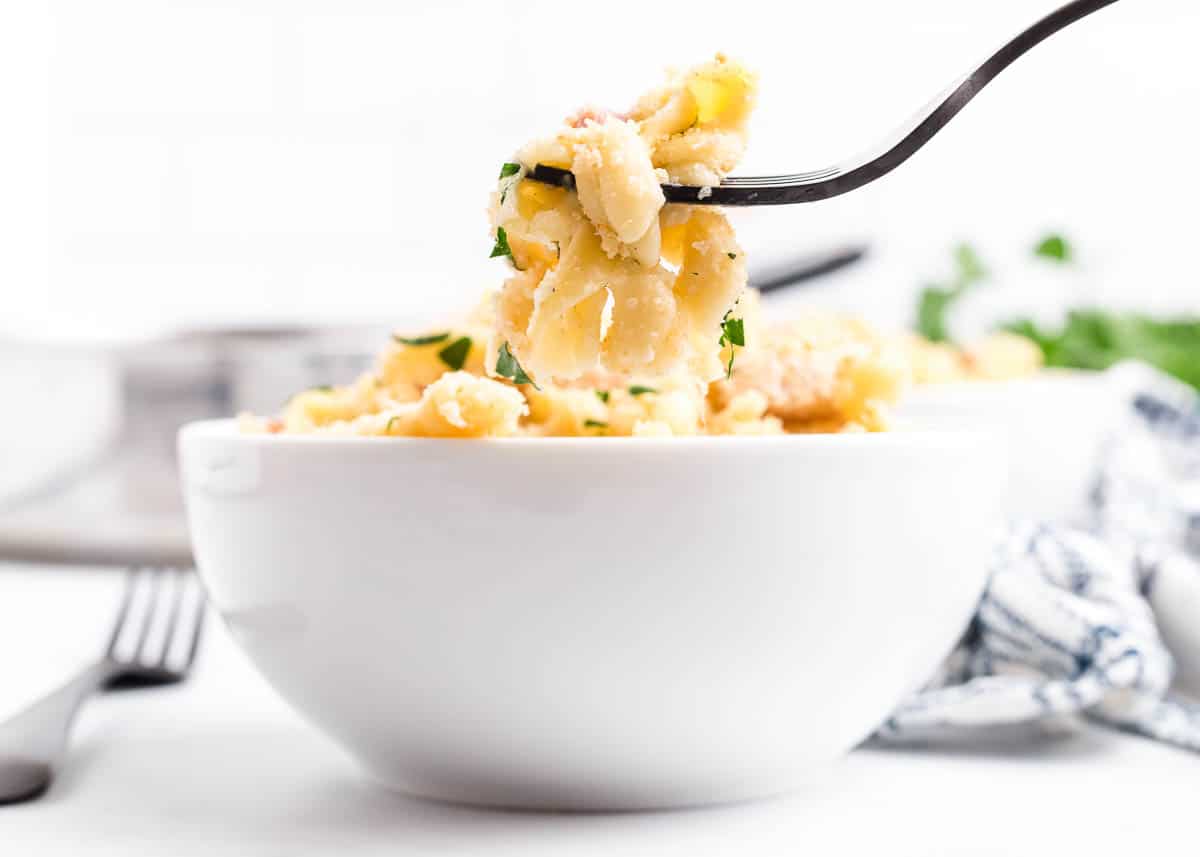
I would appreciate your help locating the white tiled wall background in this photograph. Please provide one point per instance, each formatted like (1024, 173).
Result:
(198, 161)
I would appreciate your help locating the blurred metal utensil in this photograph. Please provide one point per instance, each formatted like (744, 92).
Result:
(778, 276)
(153, 643)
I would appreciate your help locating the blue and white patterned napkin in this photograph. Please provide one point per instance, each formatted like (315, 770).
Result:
(1073, 620)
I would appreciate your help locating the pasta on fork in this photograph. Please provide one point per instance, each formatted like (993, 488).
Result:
(608, 276)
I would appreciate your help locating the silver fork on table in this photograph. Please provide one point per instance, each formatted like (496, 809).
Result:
(877, 162)
(154, 642)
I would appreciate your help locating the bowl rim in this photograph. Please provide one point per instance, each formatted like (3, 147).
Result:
(904, 437)
(1044, 379)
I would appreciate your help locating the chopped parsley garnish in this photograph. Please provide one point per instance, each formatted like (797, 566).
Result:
(1054, 247)
(733, 330)
(733, 335)
(390, 422)
(507, 171)
(431, 339)
(596, 424)
(638, 389)
(502, 249)
(323, 388)
(731, 255)
(455, 354)
(602, 395)
(508, 367)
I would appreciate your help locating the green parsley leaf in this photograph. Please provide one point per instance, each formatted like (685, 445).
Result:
(734, 331)
(455, 354)
(1054, 247)
(731, 255)
(390, 423)
(501, 247)
(431, 339)
(507, 171)
(638, 389)
(594, 424)
(602, 395)
(508, 367)
(733, 334)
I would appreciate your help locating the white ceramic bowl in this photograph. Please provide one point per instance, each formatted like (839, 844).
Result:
(1052, 424)
(592, 623)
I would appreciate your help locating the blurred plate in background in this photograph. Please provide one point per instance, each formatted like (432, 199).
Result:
(89, 465)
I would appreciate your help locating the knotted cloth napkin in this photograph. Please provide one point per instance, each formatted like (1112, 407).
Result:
(1074, 617)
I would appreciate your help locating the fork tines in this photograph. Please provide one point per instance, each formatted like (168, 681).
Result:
(158, 628)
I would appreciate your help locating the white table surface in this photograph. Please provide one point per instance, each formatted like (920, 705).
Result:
(221, 766)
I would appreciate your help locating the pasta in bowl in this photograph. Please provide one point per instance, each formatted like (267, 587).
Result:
(816, 373)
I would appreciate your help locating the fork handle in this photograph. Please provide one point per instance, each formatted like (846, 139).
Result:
(885, 157)
(39, 733)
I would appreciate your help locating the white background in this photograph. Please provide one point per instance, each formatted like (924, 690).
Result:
(243, 160)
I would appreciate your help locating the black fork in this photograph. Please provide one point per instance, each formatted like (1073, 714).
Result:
(877, 162)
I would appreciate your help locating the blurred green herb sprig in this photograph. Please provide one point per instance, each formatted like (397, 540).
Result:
(935, 300)
(1095, 339)
(1088, 339)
